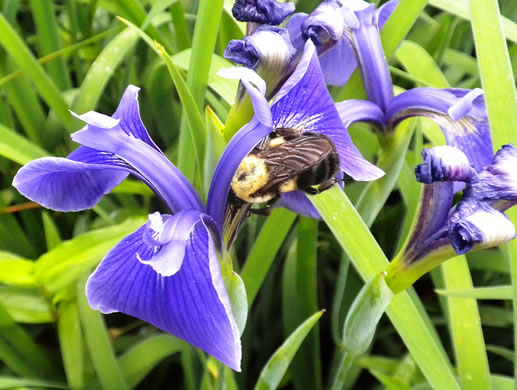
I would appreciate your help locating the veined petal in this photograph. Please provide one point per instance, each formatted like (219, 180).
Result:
(262, 11)
(268, 51)
(470, 134)
(338, 63)
(351, 111)
(433, 210)
(297, 202)
(444, 163)
(475, 223)
(294, 28)
(374, 70)
(256, 88)
(303, 102)
(326, 24)
(192, 304)
(147, 162)
(71, 184)
(168, 235)
(497, 181)
(241, 144)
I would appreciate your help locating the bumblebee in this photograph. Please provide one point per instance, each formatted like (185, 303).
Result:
(287, 160)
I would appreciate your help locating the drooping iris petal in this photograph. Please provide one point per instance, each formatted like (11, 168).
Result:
(150, 164)
(326, 24)
(338, 63)
(475, 223)
(303, 102)
(470, 134)
(74, 183)
(294, 28)
(192, 304)
(497, 181)
(351, 111)
(241, 144)
(444, 163)
(262, 11)
(168, 235)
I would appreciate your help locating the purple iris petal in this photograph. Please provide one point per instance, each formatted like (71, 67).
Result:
(444, 163)
(71, 184)
(470, 134)
(262, 11)
(497, 181)
(297, 202)
(338, 63)
(192, 304)
(372, 62)
(268, 47)
(326, 24)
(384, 12)
(351, 111)
(432, 214)
(150, 164)
(294, 28)
(476, 223)
(239, 147)
(303, 102)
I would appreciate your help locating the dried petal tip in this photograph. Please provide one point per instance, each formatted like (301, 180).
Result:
(262, 11)
(475, 223)
(444, 163)
(268, 48)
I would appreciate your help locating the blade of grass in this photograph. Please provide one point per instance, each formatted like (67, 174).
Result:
(17, 148)
(180, 26)
(49, 40)
(501, 99)
(263, 253)
(492, 292)
(98, 343)
(466, 332)
(277, 365)
(461, 8)
(357, 241)
(33, 69)
(205, 34)
(71, 343)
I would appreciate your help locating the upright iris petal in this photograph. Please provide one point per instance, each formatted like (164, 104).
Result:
(167, 272)
(303, 102)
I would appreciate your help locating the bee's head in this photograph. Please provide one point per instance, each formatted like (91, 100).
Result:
(250, 177)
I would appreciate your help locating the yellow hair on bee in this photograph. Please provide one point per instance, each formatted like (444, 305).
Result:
(288, 186)
(251, 176)
(275, 142)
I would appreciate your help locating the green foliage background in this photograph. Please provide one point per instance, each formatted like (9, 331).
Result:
(76, 54)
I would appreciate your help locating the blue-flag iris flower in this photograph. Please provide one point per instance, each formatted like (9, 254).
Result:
(262, 11)
(167, 272)
(303, 102)
(442, 230)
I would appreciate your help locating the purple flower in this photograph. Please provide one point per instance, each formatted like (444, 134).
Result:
(340, 29)
(167, 272)
(302, 102)
(262, 11)
(442, 230)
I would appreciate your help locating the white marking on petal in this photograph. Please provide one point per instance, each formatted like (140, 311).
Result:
(242, 73)
(494, 226)
(97, 119)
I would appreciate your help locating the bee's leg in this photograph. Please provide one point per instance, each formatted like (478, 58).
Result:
(310, 190)
(327, 184)
(266, 211)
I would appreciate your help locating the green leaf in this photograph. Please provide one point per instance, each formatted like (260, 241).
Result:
(277, 365)
(25, 305)
(52, 237)
(17, 148)
(65, 263)
(33, 69)
(493, 292)
(7, 382)
(264, 250)
(368, 258)
(237, 294)
(71, 343)
(16, 271)
(469, 346)
(98, 343)
(141, 358)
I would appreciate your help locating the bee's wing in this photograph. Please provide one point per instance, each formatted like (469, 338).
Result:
(293, 157)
